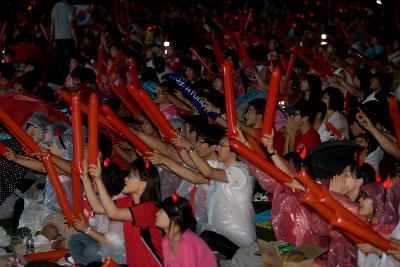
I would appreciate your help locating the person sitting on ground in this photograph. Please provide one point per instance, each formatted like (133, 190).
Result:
(182, 247)
(98, 236)
(300, 131)
(137, 211)
(333, 99)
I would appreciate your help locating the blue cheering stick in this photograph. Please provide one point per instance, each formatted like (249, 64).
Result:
(192, 96)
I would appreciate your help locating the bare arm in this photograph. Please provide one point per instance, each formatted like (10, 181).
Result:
(156, 144)
(92, 197)
(177, 102)
(112, 211)
(129, 156)
(387, 143)
(290, 137)
(29, 163)
(267, 140)
(201, 164)
(93, 233)
(339, 82)
(181, 171)
(62, 164)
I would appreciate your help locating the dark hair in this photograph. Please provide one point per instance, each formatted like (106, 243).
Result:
(112, 179)
(85, 75)
(159, 64)
(295, 160)
(179, 212)
(384, 79)
(45, 93)
(149, 74)
(319, 107)
(194, 65)
(372, 144)
(258, 104)
(211, 134)
(7, 70)
(306, 110)
(365, 171)
(78, 57)
(148, 173)
(195, 122)
(336, 101)
(315, 85)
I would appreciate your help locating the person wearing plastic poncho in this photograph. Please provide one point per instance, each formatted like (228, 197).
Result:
(51, 130)
(378, 204)
(206, 142)
(12, 177)
(35, 211)
(231, 219)
(34, 193)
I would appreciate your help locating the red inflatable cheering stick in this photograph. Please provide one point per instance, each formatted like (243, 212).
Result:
(260, 162)
(230, 99)
(125, 132)
(270, 108)
(100, 56)
(152, 111)
(93, 131)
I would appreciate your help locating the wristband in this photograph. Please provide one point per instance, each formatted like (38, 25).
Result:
(87, 231)
(191, 149)
(271, 154)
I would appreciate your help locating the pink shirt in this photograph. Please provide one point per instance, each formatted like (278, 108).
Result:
(191, 251)
(170, 111)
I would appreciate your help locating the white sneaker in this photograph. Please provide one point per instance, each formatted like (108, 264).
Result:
(63, 262)
(69, 258)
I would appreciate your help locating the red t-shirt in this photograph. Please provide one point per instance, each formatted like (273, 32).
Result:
(309, 139)
(142, 237)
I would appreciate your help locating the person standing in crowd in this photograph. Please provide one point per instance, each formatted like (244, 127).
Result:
(62, 31)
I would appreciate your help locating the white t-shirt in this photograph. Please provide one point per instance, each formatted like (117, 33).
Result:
(201, 197)
(370, 97)
(230, 208)
(62, 14)
(374, 158)
(337, 120)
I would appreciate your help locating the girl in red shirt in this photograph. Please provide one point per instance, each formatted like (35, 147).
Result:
(138, 211)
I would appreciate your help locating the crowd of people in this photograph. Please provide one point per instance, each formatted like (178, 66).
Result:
(190, 202)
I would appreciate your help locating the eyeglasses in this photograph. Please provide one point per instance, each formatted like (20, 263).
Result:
(222, 145)
(295, 114)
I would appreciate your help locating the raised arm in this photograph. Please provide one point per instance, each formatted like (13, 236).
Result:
(201, 164)
(388, 144)
(156, 144)
(30, 163)
(92, 197)
(112, 211)
(267, 141)
(128, 156)
(183, 172)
